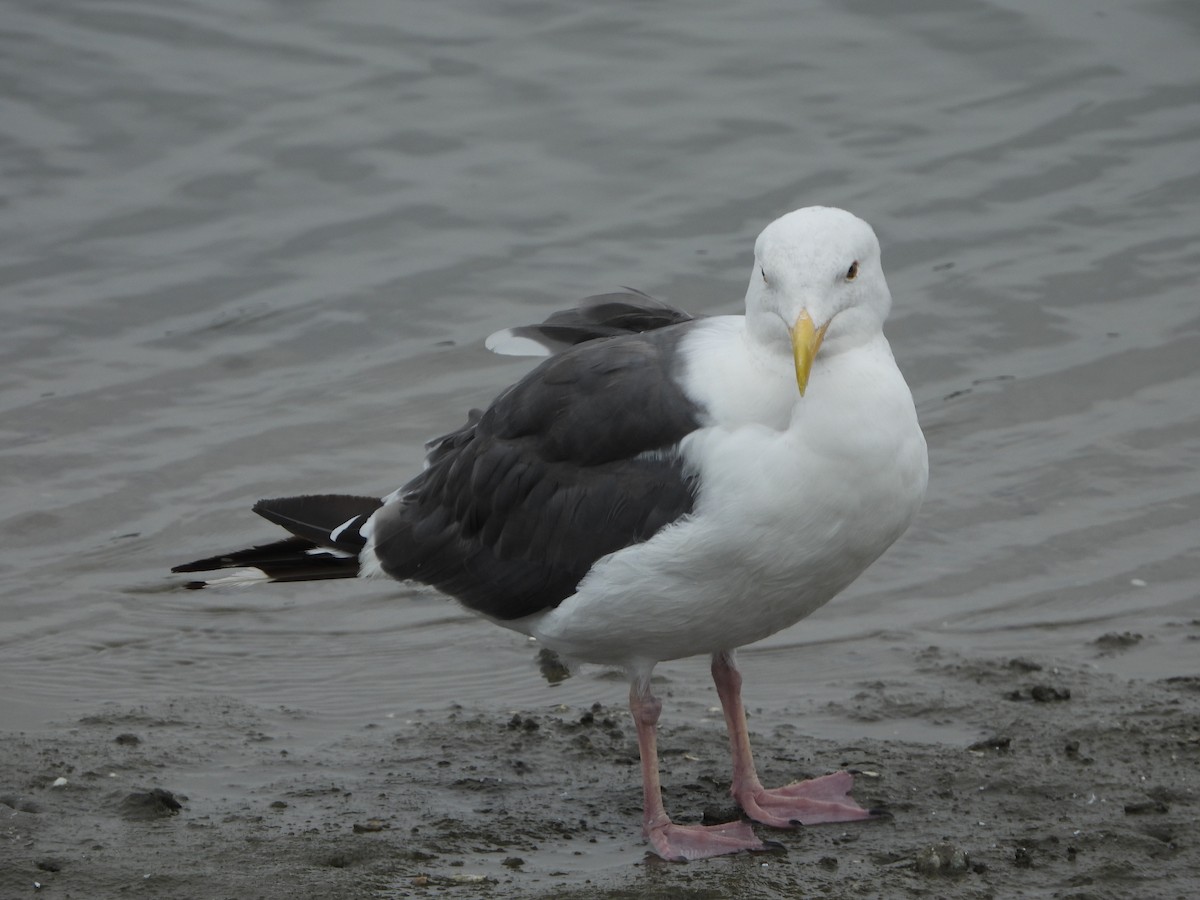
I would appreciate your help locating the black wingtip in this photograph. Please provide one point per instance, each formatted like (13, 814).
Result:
(313, 517)
(291, 559)
(210, 564)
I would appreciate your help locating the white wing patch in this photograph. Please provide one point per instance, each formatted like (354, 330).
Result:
(506, 343)
(337, 532)
(329, 551)
(238, 578)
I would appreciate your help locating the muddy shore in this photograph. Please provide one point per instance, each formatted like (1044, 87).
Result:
(1080, 785)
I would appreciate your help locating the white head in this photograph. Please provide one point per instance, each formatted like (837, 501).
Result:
(817, 278)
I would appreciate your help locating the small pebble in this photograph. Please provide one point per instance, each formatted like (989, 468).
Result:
(1045, 693)
(152, 804)
(942, 859)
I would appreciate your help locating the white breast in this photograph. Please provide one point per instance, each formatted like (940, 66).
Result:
(790, 511)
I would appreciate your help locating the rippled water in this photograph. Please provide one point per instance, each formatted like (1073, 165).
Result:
(251, 249)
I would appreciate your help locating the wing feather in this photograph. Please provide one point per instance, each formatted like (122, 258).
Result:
(575, 461)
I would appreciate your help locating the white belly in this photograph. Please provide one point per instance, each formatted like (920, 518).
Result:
(785, 519)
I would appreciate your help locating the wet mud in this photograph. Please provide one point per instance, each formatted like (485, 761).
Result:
(1079, 785)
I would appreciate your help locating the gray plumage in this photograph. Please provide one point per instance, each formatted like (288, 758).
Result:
(572, 463)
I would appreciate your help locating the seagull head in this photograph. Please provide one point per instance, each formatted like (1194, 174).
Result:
(817, 282)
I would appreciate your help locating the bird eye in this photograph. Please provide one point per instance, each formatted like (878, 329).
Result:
(764, 274)
(852, 272)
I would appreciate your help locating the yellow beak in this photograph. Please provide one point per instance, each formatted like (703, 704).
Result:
(806, 341)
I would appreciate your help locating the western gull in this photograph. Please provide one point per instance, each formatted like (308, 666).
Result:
(661, 486)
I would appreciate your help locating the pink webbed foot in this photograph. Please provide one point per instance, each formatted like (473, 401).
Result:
(678, 843)
(812, 802)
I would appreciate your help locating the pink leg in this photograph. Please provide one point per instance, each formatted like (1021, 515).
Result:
(668, 840)
(824, 799)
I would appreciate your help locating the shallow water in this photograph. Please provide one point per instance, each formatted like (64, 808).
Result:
(252, 249)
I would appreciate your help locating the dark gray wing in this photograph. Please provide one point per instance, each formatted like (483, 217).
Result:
(574, 462)
(628, 311)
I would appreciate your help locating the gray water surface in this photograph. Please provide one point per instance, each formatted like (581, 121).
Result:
(251, 249)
